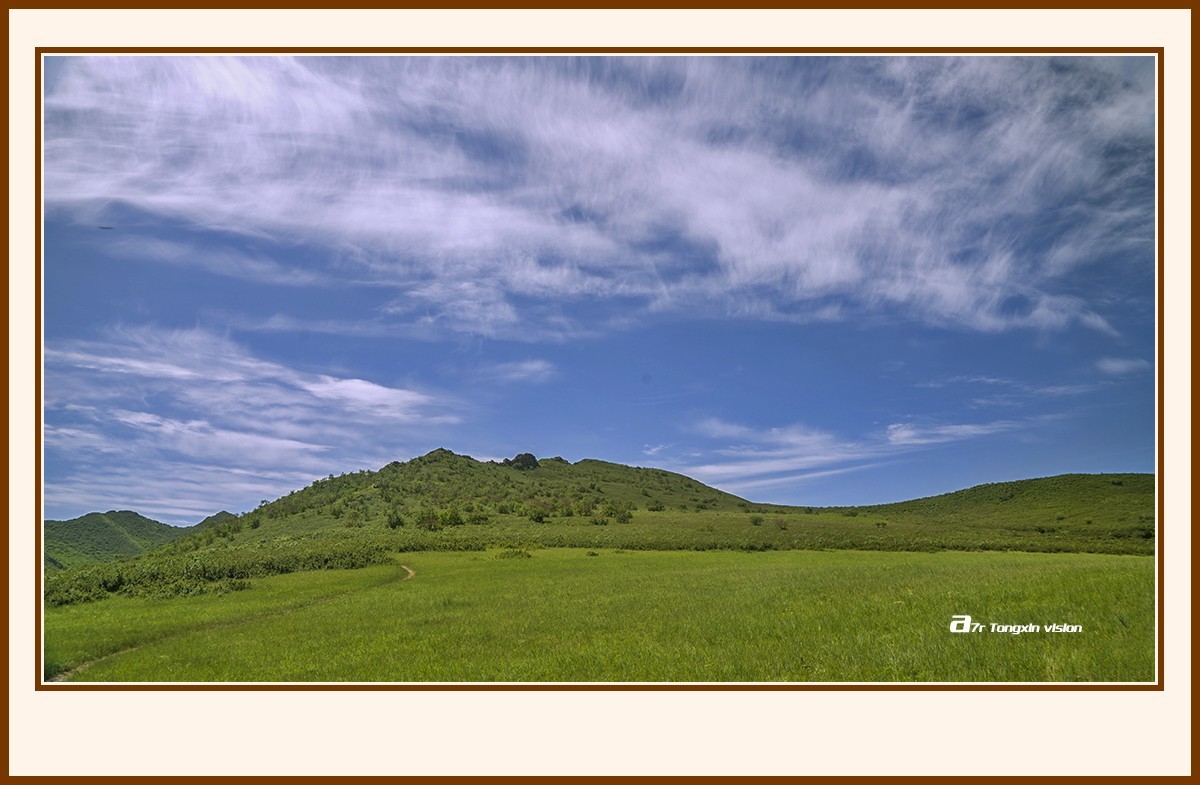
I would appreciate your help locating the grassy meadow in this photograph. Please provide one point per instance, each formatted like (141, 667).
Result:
(604, 615)
(544, 570)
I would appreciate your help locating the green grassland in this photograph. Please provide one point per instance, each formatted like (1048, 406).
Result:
(609, 615)
(688, 583)
(447, 502)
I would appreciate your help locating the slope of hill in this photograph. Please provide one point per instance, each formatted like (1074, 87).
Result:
(442, 489)
(216, 519)
(103, 536)
(1118, 504)
(443, 481)
(443, 501)
(1093, 507)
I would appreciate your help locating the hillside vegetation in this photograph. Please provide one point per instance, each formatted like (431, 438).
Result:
(103, 536)
(448, 502)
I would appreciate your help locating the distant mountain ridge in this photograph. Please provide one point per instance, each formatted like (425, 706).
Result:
(105, 536)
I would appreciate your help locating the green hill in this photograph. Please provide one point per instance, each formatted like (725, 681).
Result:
(439, 491)
(103, 536)
(215, 519)
(116, 534)
(1116, 505)
(443, 501)
(1069, 510)
(480, 492)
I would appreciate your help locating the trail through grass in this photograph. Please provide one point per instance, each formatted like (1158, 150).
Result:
(212, 617)
(564, 615)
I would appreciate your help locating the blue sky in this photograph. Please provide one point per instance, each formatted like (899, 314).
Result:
(803, 280)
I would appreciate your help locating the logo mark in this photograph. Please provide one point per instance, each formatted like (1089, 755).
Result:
(964, 624)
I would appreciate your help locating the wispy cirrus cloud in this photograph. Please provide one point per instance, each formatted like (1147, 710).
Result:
(282, 323)
(1013, 392)
(752, 453)
(164, 402)
(521, 371)
(751, 458)
(1122, 366)
(173, 492)
(795, 479)
(486, 194)
(211, 372)
(225, 261)
(909, 434)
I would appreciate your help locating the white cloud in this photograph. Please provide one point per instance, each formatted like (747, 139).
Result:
(493, 194)
(170, 406)
(1066, 389)
(521, 371)
(175, 492)
(751, 452)
(199, 439)
(221, 261)
(795, 479)
(373, 399)
(1118, 366)
(763, 457)
(281, 323)
(911, 434)
(1016, 392)
(79, 440)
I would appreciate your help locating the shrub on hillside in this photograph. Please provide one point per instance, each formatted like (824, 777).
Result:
(429, 521)
(216, 571)
(523, 461)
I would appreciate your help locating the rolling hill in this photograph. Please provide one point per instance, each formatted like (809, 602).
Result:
(105, 536)
(443, 501)
(480, 491)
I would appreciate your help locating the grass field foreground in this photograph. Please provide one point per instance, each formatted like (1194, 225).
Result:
(568, 615)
